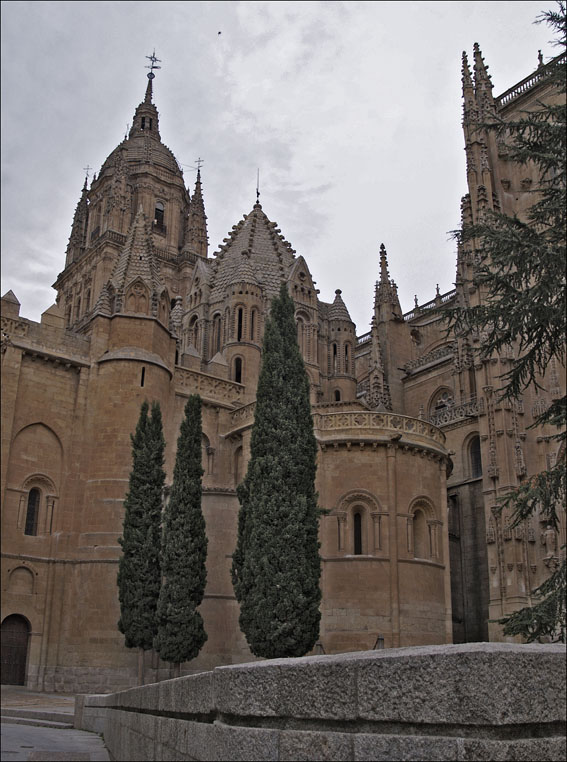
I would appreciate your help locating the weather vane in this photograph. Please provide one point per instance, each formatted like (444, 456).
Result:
(87, 169)
(198, 162)
(258, 186)
(153, 66)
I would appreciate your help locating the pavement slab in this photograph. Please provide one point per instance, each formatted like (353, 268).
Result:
(30, 743)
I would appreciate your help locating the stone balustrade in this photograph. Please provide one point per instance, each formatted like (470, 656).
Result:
(454, 413)
(478, 701)
(368, 424)
(209, 387)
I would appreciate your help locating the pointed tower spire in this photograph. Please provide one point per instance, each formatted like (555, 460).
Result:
(77, 239)
(386, 302)
(196, 239)
(482, 82)
(384, 274)
(469, 102)
(466, 76)
(149, 91)
(146, 118)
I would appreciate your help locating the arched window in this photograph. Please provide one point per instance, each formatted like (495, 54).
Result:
(442, 400)
(194, 332)
(78, 308)
(238, 370)
(226, 325)
(253, 322)
(301, 335)
(216, 334)
(337, 395)
(357, 533)
(474, 458)
(421, 544)
(239, 323)
(334, 357)
(347, 358)
(159, 216)
(32, 514)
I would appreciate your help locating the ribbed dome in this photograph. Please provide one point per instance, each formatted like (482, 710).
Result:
(142, 149)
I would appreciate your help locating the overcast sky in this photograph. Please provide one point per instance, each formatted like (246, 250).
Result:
(351, 110)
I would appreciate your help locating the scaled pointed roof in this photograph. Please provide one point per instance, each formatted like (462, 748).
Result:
(338, 310)
(255, 248)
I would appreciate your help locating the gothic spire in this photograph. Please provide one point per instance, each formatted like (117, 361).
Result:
(384, 274)
(146, 117)
(386, 302)
(482, 81)
(149, 92)
(196, 239)
(79, 227)
(466, 73)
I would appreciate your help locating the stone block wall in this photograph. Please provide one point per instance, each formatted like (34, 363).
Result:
(479, 701)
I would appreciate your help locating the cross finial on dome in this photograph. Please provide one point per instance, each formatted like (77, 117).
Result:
(151, 75)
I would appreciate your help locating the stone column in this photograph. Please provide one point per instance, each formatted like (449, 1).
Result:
(341, 519)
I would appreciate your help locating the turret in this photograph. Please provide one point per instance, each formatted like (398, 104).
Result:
(342, 345)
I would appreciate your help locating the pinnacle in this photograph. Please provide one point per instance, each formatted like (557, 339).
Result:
(384, 274)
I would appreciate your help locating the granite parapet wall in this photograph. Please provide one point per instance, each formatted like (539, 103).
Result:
(482, 701)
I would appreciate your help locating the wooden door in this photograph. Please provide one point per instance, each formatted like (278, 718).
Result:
(15, 636)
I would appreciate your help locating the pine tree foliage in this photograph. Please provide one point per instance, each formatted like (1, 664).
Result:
(181, 632)
(520, 271)
(139, 572)
(276, 565)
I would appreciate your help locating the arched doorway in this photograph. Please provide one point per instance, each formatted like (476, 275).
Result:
(15, 637)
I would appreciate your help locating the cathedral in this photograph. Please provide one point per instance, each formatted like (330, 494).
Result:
(414, 445)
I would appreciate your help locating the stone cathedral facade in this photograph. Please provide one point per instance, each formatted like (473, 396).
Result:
(414, 446)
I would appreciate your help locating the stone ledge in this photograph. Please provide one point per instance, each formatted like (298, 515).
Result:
(463, 702)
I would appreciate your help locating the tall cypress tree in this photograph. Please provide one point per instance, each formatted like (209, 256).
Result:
(139, 572)
(181, 633)
(276, 565)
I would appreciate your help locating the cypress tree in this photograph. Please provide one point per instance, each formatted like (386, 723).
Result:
(276, 565)
(181, 633)
(139, 572)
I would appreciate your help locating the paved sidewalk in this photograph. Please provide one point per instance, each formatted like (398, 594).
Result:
(43, 744)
